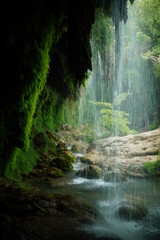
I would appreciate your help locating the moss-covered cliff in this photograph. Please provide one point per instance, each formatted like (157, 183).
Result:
(41, 41)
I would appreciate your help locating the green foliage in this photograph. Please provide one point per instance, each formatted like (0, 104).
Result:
(149, 14)
(101, 32)
(142, 39)
(152, 167)
(156, 68)
(114, 121)
(119, 98)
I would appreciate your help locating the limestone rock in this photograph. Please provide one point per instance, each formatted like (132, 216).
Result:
(126, 154)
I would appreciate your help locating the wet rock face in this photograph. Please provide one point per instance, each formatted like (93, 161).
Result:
(40, 140)
(132, 212)
(126, 154)
(91, 172)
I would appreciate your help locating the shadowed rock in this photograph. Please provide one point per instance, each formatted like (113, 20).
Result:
(132, 211)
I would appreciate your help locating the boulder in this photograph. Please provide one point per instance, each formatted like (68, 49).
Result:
(67, 155)
(86, 160)
(55, 172)
(62, 163)
(91, 172)
(135, 211)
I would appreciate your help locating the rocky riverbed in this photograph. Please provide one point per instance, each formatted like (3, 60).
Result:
(27, 213)
(30, 215)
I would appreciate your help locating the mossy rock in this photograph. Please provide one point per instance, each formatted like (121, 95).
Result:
(86, 160)
(132, 212)
(67, 155)
(75, 149)
(61, 146)
(91, 172)
(62, 163)
(44, 143)
(55, 172)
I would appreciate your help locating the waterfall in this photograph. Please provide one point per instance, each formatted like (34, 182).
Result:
(118, 67)
(134, 74)
(120, 98)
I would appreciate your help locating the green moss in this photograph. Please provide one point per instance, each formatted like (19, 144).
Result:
(63, 163)
(101, 31)
(58, 173)
(68, 156)
(53, 111)
(22, 163)
(28, 38)
(32, 75)
(152, 167)
(29, 33)
(10, 172)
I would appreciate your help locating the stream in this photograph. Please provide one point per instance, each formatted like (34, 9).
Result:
(107, 198)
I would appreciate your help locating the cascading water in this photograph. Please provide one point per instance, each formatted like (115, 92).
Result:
(127, 79)
(120, 83)
(133, 74)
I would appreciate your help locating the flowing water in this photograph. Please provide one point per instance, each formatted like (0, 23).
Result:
(118, 70)
(133, 74)
(101, 195)
(128, 73)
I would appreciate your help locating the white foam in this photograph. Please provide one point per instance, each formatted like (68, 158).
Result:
(79, 155)
(93, 183)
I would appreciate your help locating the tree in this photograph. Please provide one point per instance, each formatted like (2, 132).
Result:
(113, 120)
(149, 15)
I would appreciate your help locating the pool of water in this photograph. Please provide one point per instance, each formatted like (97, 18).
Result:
(107, 197)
